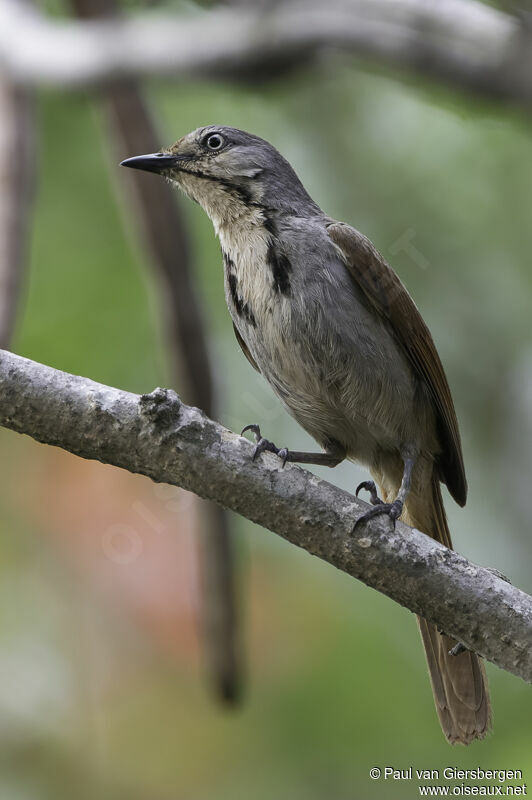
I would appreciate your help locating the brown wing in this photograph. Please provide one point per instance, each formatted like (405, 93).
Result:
(244, 348)
(385, 292)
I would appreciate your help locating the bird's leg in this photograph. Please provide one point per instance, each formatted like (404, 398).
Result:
(394, 510)
(333, 455)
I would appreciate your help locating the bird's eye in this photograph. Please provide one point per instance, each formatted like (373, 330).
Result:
(214, 141)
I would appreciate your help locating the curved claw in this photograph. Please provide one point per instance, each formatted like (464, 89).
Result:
(393, 510)
(370, 487)
(262, 445)
(254, 428)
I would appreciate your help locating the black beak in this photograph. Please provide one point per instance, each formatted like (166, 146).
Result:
(153, 162)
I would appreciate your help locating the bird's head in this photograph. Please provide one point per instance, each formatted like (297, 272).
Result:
(228, 172)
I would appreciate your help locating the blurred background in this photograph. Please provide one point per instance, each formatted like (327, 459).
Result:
(109, 680)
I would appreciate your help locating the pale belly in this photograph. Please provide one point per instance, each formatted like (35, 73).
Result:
(351, 386)
(334, 365)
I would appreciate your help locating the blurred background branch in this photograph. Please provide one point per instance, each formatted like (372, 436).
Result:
(155, 209)
(464, 44)
(17, 183)
(158, 436)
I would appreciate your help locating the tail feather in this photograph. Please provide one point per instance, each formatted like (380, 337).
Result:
(459, 682)
(459, 686)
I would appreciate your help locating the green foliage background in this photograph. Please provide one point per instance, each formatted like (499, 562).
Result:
(91, 705)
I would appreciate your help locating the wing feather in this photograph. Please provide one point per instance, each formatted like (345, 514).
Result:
(388, 296)
(244, 348)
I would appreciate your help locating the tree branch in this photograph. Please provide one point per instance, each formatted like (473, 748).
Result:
(158, 436)
(462, 43)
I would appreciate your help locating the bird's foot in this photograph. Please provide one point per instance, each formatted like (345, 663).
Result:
(393, 510)
(370, 487)
(263, 444)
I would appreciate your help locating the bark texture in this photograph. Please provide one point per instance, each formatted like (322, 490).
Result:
(157, 435)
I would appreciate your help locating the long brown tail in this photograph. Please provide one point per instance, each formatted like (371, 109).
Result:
(459, 682)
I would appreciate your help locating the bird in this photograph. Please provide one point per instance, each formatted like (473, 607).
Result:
(320, 314)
